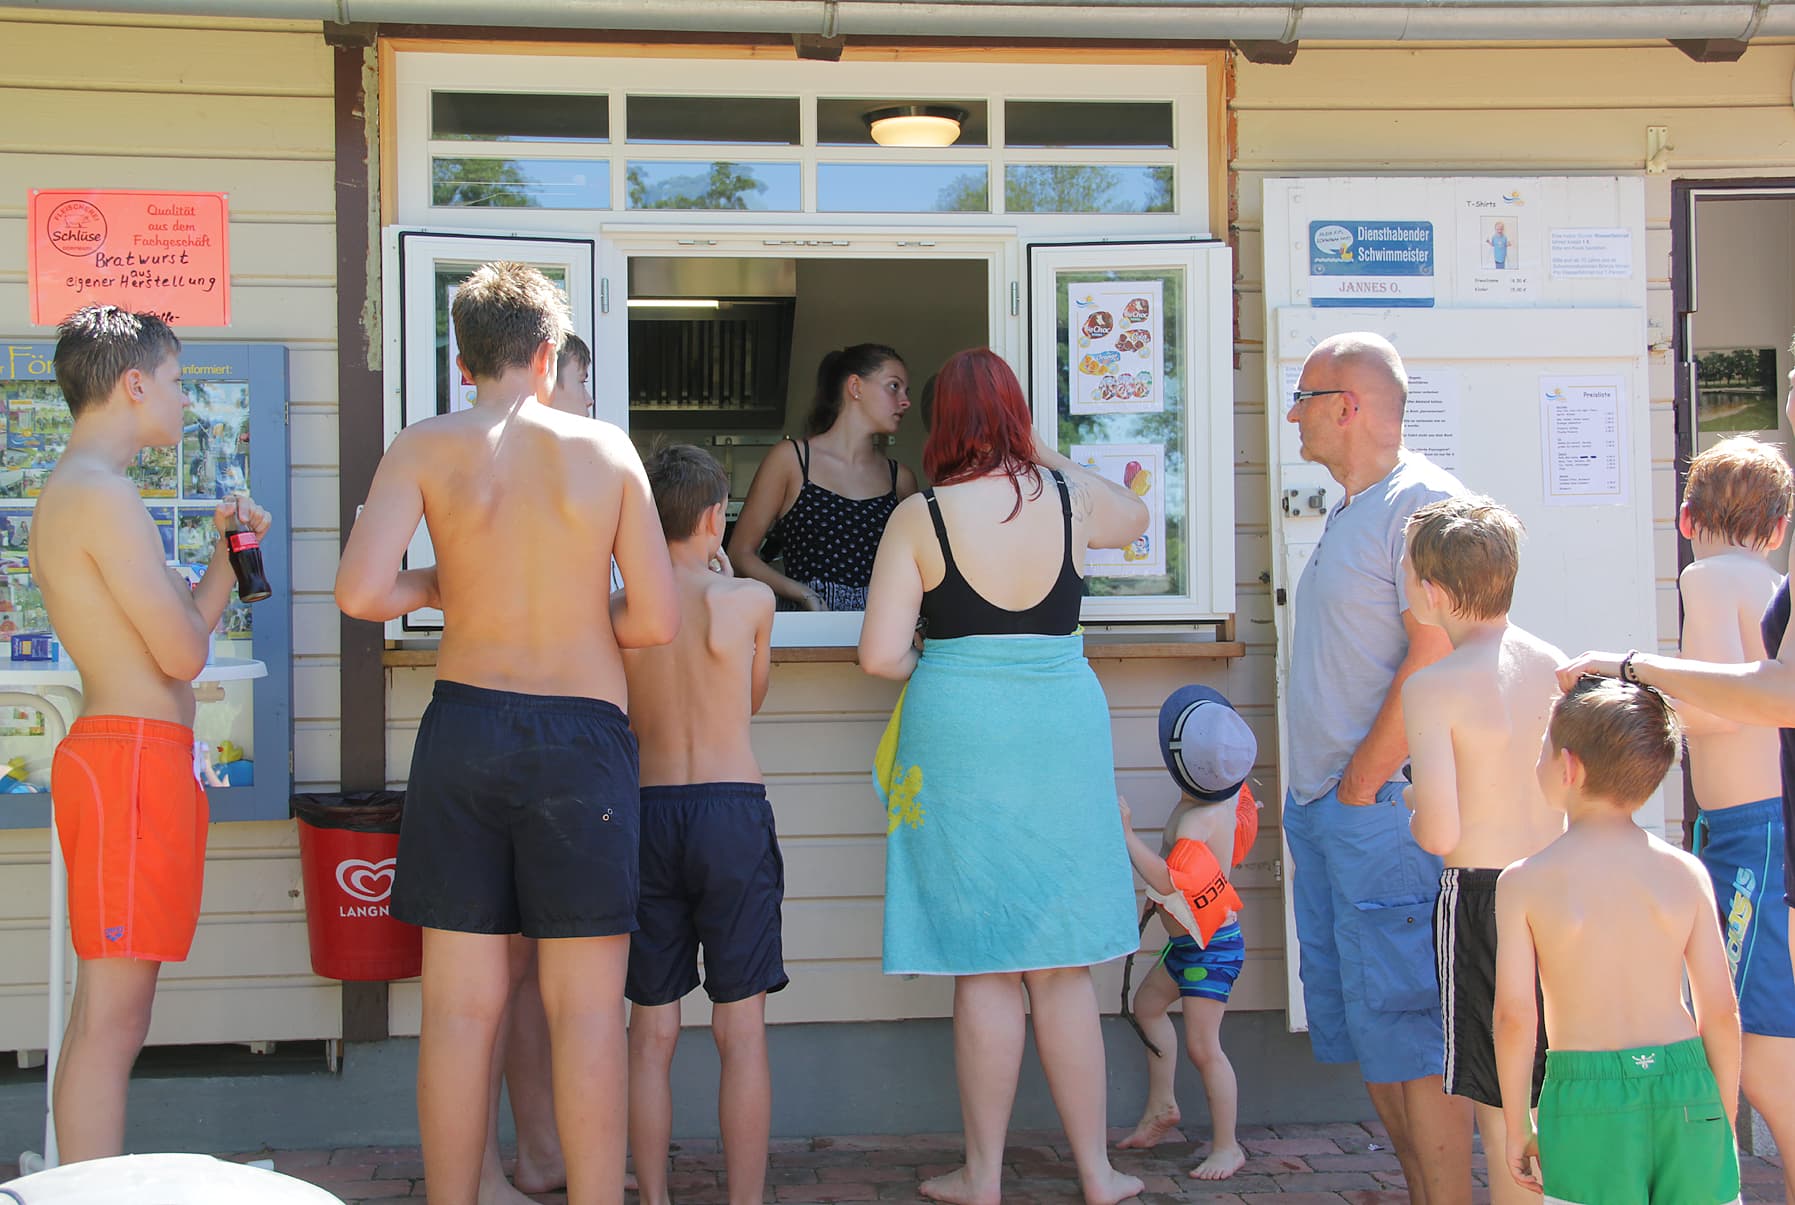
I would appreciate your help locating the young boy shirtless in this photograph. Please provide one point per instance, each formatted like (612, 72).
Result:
(711, 871)
(1209, 751)
(1735, 512)
(1474, 720)
(1639, 1095)
(523, 759)
(139, 636)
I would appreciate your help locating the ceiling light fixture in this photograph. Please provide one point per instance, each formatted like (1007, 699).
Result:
(915, 125)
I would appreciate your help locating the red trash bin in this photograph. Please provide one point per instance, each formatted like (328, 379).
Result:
(348, 850)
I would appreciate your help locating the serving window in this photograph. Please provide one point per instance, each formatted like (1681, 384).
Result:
(741, 234)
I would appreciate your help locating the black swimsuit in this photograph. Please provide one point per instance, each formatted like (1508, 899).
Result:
(953, 608)
(830, 541)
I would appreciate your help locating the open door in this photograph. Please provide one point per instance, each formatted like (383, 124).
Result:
(422, 270)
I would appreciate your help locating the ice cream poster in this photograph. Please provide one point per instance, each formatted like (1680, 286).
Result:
(1141, 468)
(1116, 331)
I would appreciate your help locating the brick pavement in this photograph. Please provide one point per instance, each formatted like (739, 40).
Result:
(1332, 1164)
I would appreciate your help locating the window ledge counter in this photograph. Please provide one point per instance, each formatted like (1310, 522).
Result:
(1097, 646)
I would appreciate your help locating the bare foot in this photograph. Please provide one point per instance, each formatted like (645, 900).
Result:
(956, 1189)
(629, 1182)
(1111, 1187)
(1152, 1130)
(496, 1190)
(533, 1176)
(1223, 1162)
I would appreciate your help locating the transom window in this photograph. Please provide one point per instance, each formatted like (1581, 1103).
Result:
(787, 138)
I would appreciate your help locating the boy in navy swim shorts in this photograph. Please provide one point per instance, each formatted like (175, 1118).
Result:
(1209, 751)
(521, 812)
(712, 876)
(1735, 514)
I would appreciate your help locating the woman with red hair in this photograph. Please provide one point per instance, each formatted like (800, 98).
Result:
(1005, 861)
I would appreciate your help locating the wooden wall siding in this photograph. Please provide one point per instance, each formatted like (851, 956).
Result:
(242, 107)
(815, 739)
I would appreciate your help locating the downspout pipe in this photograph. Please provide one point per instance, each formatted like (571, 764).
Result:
(1131, 20)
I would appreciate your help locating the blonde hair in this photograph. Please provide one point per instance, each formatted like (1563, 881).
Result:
(1471, 548)
(1626, 736)
(1738, 491)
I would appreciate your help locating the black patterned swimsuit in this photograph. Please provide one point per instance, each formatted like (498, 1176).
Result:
(830, 540)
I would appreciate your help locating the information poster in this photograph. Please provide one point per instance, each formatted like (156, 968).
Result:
(1499, 244)
(163, 253)
(1431, 422)
(1371, 262)
(1117, 347)
(1140, 467)
(1592, 254)
(1583, 428)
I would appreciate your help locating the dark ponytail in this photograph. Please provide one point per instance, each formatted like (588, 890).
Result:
(860, 360)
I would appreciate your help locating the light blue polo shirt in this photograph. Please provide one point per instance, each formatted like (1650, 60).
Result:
(1349, 639)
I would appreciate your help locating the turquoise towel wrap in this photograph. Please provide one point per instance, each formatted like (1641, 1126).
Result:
(1004, 847)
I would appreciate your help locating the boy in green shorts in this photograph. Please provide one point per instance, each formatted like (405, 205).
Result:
(1639, 1095)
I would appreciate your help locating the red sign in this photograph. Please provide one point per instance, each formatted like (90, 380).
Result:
(163, 253)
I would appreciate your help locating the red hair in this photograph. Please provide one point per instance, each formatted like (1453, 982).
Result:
(980, 425)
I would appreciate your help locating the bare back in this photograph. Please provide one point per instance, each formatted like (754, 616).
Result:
(119, 673)
(1613, 912)
(1496, 695)
(1009, 564)
(1724, 598)
(522, 506)
(691, 700)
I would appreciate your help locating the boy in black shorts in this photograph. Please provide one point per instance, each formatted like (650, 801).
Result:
(711, 871)
(522, 807)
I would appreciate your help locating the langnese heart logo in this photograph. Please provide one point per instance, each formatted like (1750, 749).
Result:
(370, 882)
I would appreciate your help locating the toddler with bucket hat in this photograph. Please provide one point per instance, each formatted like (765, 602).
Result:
(1209, 751)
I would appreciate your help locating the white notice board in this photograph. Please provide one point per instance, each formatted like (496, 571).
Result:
(1518, 305)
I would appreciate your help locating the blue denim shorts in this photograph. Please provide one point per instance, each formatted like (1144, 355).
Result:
(1364, 896)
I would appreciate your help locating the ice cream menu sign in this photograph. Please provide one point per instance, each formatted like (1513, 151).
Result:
(164, 253)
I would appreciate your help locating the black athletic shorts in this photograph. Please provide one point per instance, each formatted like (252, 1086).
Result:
(520, 816)
(712, 877)
(1465, 952)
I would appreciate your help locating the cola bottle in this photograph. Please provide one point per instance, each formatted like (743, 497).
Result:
(246, 559)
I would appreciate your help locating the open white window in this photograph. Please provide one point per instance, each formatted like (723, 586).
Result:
(422, 270)
(1132, 376)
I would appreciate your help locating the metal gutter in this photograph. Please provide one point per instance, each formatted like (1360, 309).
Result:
(1133, 20)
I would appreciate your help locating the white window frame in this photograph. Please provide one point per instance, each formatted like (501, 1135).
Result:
(408, 379)
(418, 74)
(1207, 337)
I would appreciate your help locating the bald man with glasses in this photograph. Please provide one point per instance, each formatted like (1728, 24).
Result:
(1364, 890)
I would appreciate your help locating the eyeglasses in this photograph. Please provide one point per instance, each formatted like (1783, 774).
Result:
(1302, 395)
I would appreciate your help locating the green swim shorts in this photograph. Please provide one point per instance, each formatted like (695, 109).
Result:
(1626, 1127)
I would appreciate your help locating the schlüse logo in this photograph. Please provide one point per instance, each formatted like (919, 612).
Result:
(370, 882)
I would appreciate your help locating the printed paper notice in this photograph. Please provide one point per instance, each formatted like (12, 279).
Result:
(1430, 420)
(461, 387)
(1583, 424)
(1140, 467)
(1592, 254)
(1117, 329)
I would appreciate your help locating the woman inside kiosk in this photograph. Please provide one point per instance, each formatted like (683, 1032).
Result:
(825, 503)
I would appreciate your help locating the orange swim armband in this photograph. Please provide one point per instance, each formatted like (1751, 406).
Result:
(1246, 824)
(1199, 878)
